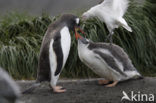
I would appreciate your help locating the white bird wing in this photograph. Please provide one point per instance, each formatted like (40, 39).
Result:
(116, 7)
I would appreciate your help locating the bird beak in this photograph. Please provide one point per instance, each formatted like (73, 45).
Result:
(77, 35)
(77, 28)
(83, 18)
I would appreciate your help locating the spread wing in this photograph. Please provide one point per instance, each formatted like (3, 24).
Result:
(117, 7)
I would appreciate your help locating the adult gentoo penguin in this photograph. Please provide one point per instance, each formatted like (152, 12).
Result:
(107, 61)
(55, 50)
(9, 90)
(111, 12)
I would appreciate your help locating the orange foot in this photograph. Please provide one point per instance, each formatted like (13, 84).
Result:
(59, 89)
(103, 82)
(113, 84)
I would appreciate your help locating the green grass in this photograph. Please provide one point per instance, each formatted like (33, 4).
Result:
(21, 36)
(20, 43)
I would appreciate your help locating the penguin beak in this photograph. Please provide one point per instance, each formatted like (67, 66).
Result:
(77, 28)
(77, 35)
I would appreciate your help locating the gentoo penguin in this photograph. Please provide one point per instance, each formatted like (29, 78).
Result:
(55, 50)
(107, 61)
(111, 12)
(9, 90)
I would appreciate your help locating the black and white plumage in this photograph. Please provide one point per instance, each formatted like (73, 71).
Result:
(111, 12)
(107, 61)
(55, 50)
(9, 90)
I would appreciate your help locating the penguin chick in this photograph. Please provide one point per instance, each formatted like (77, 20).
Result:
(107, 61)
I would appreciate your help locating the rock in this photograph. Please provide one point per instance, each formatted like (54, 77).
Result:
(88, 91)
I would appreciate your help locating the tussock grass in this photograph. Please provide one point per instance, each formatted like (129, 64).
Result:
(21, 36)
(20, 43)
(140, 44)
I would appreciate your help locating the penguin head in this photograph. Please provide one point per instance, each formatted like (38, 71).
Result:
(84, 40)
(71, 21)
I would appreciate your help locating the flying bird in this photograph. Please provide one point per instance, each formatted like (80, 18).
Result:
(9, 90)
(111, 12)
(54, 51)
(107, 61)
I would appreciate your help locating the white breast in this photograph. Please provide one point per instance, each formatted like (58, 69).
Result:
(96, 63)
(65, 43)
(53, 64)
(88, 57)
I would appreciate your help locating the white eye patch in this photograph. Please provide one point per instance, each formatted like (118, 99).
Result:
(77, 20)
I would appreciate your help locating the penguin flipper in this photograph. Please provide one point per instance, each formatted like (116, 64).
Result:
(30, 89)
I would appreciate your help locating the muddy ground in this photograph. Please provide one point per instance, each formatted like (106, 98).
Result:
(88, 91)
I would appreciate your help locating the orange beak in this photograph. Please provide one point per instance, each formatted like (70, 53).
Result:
(77, 35)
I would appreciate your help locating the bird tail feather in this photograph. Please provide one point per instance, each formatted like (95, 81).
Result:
(127, 28)
(30, 89)
(124, 24)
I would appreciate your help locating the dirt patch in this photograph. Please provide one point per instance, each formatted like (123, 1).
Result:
(88, 91)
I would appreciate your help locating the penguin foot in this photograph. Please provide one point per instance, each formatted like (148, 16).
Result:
(59, 89)
(113, 84)
(103, 82)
